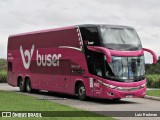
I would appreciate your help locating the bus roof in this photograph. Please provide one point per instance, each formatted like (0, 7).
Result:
(107, 25)
(43, 31)
(70, 27)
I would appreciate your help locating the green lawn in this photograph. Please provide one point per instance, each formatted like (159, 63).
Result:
(10, 101)
(153, 93)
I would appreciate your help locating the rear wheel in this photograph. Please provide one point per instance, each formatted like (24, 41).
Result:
(81, 92)
(28, 86)
(21, 85)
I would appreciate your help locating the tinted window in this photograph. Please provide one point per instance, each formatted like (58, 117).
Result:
(9, 66)
(120, 38)
(96, 63)
(90, 36)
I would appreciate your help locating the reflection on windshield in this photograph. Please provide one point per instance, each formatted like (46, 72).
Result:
(128, 68)
(120, 38)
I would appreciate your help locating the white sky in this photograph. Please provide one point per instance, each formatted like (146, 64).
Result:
(17, 16)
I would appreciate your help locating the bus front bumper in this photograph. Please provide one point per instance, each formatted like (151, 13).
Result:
(113, 93)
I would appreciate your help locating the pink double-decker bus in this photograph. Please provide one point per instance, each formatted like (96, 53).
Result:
(100, 61)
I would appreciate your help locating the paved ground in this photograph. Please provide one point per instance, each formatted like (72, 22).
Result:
(128, 104)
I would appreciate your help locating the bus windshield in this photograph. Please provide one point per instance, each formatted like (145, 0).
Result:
(127, 69)
(120, 38)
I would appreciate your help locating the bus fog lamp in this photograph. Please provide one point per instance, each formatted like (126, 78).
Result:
(111, 94)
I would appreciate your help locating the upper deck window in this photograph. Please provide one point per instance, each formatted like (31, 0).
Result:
(120, 38)
(90, 36)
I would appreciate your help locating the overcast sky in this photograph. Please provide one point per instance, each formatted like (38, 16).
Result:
(18, 16)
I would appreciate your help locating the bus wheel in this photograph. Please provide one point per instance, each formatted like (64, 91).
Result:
(21, 85)
(28, 86)
(116, 99)
(81, 92)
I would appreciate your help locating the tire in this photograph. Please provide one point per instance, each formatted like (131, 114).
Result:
(21, 85)
(116, 99)
(81, 92)
(28, 86)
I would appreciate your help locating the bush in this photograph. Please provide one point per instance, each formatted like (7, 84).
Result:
(3, 64)
(153, 81)
(3, 76)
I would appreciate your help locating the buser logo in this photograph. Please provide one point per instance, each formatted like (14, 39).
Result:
(42, 59)
(27, 54)
(48, 59)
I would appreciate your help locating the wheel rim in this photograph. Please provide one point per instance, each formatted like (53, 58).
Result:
(82, 91)
(21, 85)
(28, 86)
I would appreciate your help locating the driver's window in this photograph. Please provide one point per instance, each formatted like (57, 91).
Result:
(98, 68)
(95, 63)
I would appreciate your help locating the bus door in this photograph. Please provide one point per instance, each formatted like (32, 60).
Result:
(98, 74)
(97, 68)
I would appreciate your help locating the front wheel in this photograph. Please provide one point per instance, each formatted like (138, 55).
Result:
(116, 99)
(81, 92)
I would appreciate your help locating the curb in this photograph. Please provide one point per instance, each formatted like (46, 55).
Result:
(152, 98)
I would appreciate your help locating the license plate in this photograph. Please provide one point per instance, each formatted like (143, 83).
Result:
(129, 96)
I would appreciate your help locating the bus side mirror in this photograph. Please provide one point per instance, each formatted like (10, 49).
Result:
(153, 54)
(101, 50)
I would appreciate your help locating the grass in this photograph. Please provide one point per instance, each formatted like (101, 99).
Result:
(10, 101)
(153, 93)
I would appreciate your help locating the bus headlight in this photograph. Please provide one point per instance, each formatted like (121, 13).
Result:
(105, 84)
(143, 85)
(112, 86)
(119, 88)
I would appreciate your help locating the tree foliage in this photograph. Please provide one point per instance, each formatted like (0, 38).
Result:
(3, 64)
(153, 68)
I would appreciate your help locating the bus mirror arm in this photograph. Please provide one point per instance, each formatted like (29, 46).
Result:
(101, 50)
(153, 54)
